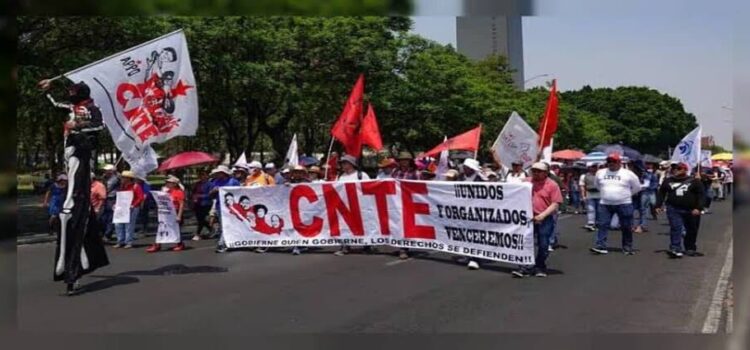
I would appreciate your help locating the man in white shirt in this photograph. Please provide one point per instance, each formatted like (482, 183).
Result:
(350, 173)
(590, 194)
(616, 186)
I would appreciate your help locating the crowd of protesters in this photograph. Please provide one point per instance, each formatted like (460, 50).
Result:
(612, 195)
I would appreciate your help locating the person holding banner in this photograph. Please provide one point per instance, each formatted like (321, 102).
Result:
(126, 231)
(386, 168)
(178, 201)
(546, 198)
(617, 186)
(683, 196)
(271, 171)
(350, 173)
(222, 178)
(471, 172)
(257, 177)
(406, 167)
(240, 172)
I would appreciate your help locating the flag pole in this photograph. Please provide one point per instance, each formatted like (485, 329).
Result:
(328, 158)
(115, 55)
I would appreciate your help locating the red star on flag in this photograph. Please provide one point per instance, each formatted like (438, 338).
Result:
(181, 89)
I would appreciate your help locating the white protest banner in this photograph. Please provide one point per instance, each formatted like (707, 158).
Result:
(122, 207)
(689, 149)
(483, 220)
(516, 142)
(146, 95)
(168, 230)
(706, 158)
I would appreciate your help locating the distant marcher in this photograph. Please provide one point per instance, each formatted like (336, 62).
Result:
(386, 167)
(112, 182)
(617, 186)
(683, 196)
(407, 168)
(98, 197)
(516, 174)
(221, 178)
(201, 201)
(273, 172)
(240, 172)
(590, 192)
(148, 203)
(257, 177)
(126, 231)
(471, 172)
(649, 186)
(53, 201)
(178, 201)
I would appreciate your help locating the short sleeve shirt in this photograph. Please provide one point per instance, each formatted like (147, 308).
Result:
(543, 194)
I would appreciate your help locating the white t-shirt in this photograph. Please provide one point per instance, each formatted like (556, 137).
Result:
(617, 187)
(353, 177)
(515, 178)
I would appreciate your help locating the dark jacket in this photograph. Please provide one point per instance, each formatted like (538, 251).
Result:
(682, 193)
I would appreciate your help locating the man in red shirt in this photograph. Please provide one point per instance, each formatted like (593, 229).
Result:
(125, 232)
(178, 201)
(545, 199)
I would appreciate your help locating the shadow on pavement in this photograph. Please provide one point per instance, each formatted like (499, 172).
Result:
(107, 282)
(177, 269)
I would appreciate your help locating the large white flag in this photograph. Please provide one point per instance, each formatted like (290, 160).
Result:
(292, 156)
(516, 142)
(146, 94)
(689, 149)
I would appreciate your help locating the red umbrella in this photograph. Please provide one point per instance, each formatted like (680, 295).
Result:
(186, 159)
(568, 154)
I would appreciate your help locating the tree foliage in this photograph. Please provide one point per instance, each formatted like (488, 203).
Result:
(263, 79)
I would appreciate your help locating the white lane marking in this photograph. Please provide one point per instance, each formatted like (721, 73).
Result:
(713, 318)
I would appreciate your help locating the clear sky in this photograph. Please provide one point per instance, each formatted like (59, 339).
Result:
(681, 47)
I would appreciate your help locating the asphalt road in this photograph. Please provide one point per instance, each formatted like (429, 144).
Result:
(244, 292)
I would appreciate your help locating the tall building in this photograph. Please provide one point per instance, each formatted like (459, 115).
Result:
(478, 37)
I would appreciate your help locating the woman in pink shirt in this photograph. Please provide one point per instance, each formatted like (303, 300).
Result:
(545, 199)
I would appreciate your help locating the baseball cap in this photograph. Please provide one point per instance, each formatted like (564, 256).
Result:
(350, 159)
(255, 165)
(270, 166)
(614, 157)
(540, 166)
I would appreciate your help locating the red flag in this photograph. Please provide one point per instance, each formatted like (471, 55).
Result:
(346, 129)
(548, 124)
(468, 141)
(332, 169)
(370, 132)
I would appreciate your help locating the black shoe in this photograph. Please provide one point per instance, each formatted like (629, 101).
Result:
(520, 273)
(221, 249)
(600, 251)
(693, 253)
(628, 252)
(71, 289)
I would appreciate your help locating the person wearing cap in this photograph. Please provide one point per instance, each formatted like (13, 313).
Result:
(451, 175)
(350, 173)
(590, 194)
(663, 171)
(240, 172)
(273, 172)
(257, 177)
(707, 179)
(98, 197)
(617, 187)
(126, 231)
(201, 203)
(53, 202)
(315, 174)
(112, 182)
(516, 173)
(649, 184)
(222, 177)
(177, 194)
(717, 183)
(386, 167)
(546, 198)
(683, 196)
(406, 167)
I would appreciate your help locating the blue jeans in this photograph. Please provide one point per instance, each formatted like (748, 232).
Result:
(125, 232)
(592, 207)
(555, 237)
(106, 220)
(625, 214)
(682, 226)
(575, 200)
(648, 200)
(542, 233)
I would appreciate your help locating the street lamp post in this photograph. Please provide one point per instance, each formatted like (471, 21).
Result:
(534, 77)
